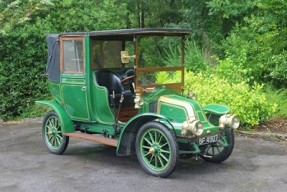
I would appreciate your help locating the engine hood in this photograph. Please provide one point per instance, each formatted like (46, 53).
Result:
(179, 108)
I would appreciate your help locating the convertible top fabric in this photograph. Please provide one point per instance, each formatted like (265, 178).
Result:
(53, 61)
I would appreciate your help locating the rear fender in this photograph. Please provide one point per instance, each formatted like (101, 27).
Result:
(126, 143)
(66, 123)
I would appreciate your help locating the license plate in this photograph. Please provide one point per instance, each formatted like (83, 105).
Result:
(209, 139)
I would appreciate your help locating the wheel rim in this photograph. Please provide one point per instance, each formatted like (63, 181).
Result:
(215, 148)
(53, 133)
(155, 149)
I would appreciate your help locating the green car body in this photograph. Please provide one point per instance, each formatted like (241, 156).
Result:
(101, 93)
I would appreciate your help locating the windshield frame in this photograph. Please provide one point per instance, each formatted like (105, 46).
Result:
(179, 86)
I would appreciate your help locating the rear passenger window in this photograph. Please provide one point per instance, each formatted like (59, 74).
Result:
(73, 55)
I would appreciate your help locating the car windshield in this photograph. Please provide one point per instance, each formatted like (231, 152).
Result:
(159, 60)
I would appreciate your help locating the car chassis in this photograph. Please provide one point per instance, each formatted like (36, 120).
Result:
(99, 96)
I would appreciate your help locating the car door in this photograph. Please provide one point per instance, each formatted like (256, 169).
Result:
(73, 78)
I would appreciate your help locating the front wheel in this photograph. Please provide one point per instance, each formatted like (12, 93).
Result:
(52, 135)
(219, 151)
(156, 149)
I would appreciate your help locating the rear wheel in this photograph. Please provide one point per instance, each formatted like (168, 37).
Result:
(52, 135)
(219, 152)
(156, 149)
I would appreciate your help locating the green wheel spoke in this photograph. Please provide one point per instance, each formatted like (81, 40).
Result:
(53, 141)
(164, 151)
(160, 138)
(59, 137)
(160, 161)
(156, 149)
(151, 158)
(53, 121)
(49, 127)
(57, 123)
(148, 153)
(146, 147)
(207, 150)
(163, 144)
(218, 150)
(164, 157)
(155, 136)
(50, 137)
(155, 162)
(151, 137)
(49, 123)
(148, 141)
(218, 144)
(58, 142)
(52, 134)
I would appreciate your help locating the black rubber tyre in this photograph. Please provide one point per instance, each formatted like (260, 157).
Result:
(52, 135)
(217, 152)
(156, 149)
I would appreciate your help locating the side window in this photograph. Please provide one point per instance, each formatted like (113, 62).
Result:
(106, 54)
(73, 56)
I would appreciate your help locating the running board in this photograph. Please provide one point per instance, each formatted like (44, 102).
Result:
(96, 138)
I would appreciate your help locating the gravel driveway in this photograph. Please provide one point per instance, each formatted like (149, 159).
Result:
(25, 165)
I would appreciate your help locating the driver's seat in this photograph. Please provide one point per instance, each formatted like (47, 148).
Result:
(112, 82)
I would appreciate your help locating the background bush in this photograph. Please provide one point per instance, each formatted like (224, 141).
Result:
(23, 48)
(250, 103)
(241, 40)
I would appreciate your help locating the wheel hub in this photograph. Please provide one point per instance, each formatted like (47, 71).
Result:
(154, 150)
(54, 131)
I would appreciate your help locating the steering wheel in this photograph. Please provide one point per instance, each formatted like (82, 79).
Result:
(128, 79)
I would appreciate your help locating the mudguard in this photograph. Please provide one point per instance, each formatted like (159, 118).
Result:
(66, 123)
(216, 109)
(126, 142)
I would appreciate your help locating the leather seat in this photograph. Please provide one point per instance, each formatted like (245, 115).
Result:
(112, 82)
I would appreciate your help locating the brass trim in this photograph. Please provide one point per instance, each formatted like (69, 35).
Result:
(153, 69)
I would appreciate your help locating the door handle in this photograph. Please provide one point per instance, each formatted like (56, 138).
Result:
(84, 88)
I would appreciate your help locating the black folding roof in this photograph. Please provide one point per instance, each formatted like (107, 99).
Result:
(131, 32)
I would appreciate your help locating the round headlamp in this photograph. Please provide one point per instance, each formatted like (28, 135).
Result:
(231, 121)
(197, 128)
(193, 126)
(234, 121)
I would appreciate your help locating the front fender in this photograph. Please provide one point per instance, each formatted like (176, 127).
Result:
(216, 109)
(126, 142)
(66, 123)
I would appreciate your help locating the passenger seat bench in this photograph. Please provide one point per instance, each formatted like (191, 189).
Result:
(112, 82)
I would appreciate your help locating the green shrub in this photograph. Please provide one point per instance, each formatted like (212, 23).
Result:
(23, 49)
(280, 98)
(194, 58)
(250, 103)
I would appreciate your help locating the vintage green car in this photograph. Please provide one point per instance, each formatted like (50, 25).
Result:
(106, 87)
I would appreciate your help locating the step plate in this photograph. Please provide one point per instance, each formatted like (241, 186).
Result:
(96, 138)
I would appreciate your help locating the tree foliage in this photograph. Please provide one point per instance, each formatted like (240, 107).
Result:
(23, 51)
(256, 45)
(246, 36)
